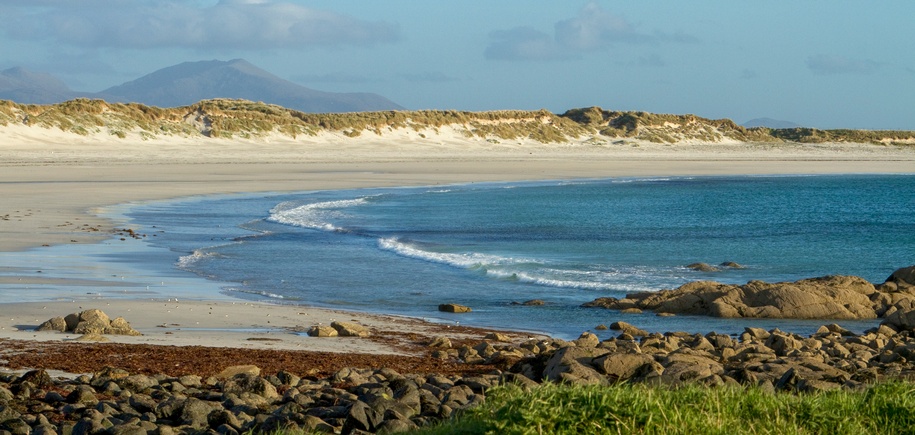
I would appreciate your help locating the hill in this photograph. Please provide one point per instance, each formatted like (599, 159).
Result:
(223, 118)
(187, 83)
(19, 84)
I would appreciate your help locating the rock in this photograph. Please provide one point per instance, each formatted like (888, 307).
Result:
(533, 303)
(322, 331)
(628, 329)
(440, 343)
(621, 366)
(831, 297)
(95, 327)
(903, 278)
(248, 383)
(703, 267)
(573, 365)
(900, 320)
(83, 395)
(454, 308)
(350, 329)
(138, 383)
(231, 371)
(586, 339)
(498, 336)
(631, 311)
(680, 368)
(53, 324)
(39, 378)
(783, 344)
(94, 315)
(72, 320)
(601, 327)
(732, 265)
(119, 326)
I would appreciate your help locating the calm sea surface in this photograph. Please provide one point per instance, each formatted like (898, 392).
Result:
(404, 251)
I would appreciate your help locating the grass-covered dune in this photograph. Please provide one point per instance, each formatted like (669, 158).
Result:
(222, 118)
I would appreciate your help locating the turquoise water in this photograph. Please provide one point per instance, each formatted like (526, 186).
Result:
(404, 251)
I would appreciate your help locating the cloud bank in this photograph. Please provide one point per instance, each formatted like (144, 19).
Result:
(229, 24)
(823, 64)
(593, 29)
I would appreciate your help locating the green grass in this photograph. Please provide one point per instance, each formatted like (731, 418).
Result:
(887, 408)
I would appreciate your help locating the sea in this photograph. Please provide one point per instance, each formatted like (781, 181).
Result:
(493, 246)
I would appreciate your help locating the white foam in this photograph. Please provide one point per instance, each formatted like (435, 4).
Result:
(511, 268)
(186, 262)
(316, 215)
(466, 260)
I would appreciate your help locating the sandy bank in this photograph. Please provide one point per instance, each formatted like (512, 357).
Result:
(236, 324)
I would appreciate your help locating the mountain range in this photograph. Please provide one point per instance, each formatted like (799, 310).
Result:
(189, 82)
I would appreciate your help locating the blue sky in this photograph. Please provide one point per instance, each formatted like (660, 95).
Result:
(825, 64)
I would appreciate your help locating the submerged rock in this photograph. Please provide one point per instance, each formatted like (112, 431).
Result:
(703, 267)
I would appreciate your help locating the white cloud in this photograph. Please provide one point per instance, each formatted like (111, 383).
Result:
(523, 43)
(593, 29)
(237, 24)
(823, 64)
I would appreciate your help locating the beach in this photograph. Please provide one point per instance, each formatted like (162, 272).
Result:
(54, 184)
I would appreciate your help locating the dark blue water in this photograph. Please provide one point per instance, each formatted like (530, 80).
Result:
(404, 251)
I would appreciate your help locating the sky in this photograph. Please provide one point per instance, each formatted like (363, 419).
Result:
(823, 64)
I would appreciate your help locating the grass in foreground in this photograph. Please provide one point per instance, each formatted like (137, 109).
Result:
(882, 409)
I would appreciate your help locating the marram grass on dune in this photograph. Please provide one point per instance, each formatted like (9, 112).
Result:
(225, 118)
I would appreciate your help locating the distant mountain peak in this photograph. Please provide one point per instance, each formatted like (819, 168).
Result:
(189, 82)
(186, 83)
(20, 84)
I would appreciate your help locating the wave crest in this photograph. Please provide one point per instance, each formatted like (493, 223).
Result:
(316, 215)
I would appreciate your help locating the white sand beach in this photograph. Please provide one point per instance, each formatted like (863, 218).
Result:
(53, 184)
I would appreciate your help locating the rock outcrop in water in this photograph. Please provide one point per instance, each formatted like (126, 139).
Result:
(830, 297)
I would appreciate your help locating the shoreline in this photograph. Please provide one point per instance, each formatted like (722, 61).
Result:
(53, 192)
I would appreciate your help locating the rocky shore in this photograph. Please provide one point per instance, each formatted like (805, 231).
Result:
(149, 389)
(383, 399)
(829, 297)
